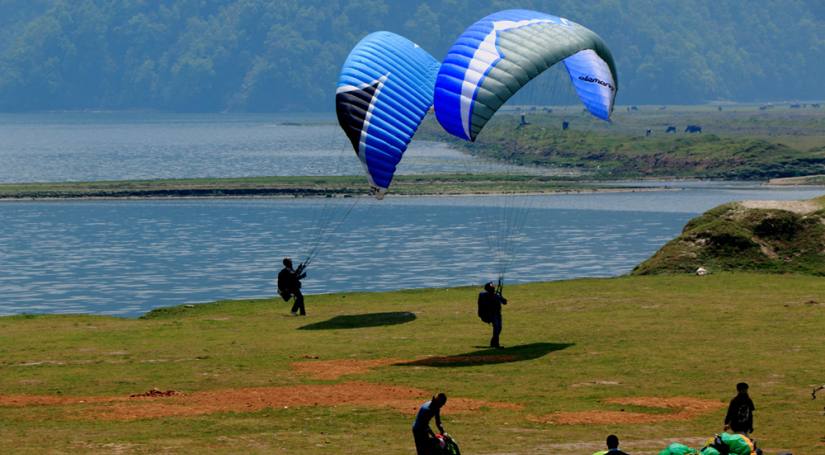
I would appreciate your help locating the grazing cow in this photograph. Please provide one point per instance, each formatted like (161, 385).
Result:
(565, 124)
(670, 129)
(663, 108)
(815, 106)
(795, 106)
(648, 133)
(693, 129)
(634, 108)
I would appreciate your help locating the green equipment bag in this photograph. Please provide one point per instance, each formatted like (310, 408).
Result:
(678, 449)
(730, 444)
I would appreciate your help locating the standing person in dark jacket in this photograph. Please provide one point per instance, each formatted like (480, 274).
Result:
(421, 427)
(289, 284)
(490, 302)
(740, 411)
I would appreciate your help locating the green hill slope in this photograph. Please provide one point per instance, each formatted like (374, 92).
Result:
(767, 236)
(738, 143)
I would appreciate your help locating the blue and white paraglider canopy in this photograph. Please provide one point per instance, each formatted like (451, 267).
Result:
(499, 54)
(384, 91)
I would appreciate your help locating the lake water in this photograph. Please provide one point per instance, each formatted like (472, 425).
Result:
(127, 257)
(122, 146)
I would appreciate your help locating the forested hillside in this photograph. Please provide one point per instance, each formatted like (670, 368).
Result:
(263, 55)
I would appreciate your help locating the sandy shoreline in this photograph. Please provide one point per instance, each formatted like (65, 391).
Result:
(332, 187)
(299, 195)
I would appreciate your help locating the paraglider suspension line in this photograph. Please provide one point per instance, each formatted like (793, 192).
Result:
(329, 226)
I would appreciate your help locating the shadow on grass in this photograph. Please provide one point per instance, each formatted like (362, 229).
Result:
(490, 356)
(358, 321)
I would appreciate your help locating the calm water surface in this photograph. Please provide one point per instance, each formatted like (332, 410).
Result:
(122, 146)
(125, 258)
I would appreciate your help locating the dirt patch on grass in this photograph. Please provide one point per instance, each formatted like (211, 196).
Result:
(682, 408)
(356, 394)
(156, 393)
(334, 369)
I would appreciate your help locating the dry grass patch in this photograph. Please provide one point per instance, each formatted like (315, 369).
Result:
(334, 369)
(684, 408)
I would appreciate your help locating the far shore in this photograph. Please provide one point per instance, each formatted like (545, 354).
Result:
(305, 187)
(805, 180)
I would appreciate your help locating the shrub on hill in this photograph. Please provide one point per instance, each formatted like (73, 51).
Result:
(732, 237)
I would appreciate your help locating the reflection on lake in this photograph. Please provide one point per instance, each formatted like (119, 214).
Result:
(126, 257)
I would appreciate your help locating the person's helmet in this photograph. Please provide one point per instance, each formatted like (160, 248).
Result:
(489, 286)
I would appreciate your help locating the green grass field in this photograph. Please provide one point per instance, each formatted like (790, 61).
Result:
(570, 347)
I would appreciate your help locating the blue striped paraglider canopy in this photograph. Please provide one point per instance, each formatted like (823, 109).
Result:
(384, 91)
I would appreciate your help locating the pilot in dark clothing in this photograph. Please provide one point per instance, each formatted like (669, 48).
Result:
(491, 301)
(739, 417)
(289, 284)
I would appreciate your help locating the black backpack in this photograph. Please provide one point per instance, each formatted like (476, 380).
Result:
(484, 312)
(742, 417)
(283, 285)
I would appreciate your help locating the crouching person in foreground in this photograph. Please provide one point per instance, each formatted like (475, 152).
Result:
(421, 427)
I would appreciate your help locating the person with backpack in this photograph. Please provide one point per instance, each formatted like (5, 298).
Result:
(489, 310)
(289, 285)
(739, 418)
(422, 434)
